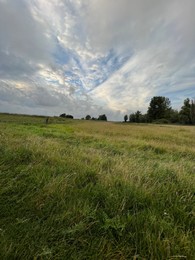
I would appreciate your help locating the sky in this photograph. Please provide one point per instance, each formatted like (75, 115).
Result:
(95, 57)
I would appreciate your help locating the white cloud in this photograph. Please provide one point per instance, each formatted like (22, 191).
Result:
(95, 56)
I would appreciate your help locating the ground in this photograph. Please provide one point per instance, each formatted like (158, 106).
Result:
(77, 189)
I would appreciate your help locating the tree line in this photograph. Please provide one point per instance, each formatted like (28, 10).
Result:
(160, 111)
(100, 117)
(88, 117)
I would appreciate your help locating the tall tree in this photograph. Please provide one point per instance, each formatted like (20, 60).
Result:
(132, 118)
(174, 116)
(185, 112)
(159, 108)
(193, 111)
(138, 115)
(125, 118)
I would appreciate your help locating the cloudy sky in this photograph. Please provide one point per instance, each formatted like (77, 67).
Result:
(95, 56)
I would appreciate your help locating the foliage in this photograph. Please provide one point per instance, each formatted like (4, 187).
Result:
(187, 113)
(66, 116)
(159, 108)
(137, 117)
(125, 118)
(88, 117)
(63, 115)
(132, 118)
(192, 111)
(160, 112)
(102, 117)
(174, 116)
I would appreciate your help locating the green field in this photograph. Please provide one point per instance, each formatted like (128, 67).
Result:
(76, 189)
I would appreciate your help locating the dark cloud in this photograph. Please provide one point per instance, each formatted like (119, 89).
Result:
(14, 67)
(23, 40)
(21, 33)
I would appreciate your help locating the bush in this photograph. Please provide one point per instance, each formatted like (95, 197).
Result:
(162, 121)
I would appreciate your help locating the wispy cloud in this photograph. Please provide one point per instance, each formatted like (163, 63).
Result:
(95, 56)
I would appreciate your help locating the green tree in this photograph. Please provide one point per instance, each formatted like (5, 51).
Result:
(132, 118)
(174, 116)
(193, 111)
(143, 118)
(102, 117)
(138, 115)
(185, 112)
(88, 117)
(159, 108)
(67, 116)
(125, 118)
(63, 115)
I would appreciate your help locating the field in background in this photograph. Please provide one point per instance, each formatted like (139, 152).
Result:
(76, 189)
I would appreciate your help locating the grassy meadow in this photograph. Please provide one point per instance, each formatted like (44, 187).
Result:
(76, 189)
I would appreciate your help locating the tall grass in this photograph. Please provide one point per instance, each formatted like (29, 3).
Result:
(96, 190)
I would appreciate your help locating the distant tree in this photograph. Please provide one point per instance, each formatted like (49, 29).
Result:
(159, 108)
(187, 112)
(88, 117)
(132, 118)
(66, 116)
(143, 118)
(63, 115)
(193, 111)
(138, 115)
(102, 117)
(93, 118)
(174, 116)
(69, 116)
(125, 118)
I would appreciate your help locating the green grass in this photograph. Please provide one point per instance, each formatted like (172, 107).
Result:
(95, 190)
